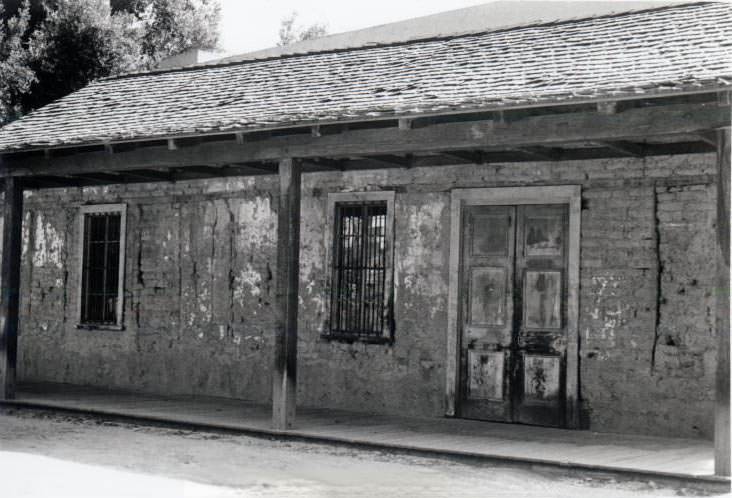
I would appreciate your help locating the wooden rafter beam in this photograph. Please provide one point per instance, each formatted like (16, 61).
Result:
(709, 138)
(51, 182)
(406, 161)
(227, 170)
(405, 124)
(150, 175)
(540, 153)
(610, 107)
(100, 178)
(530, 131)
(326, 164)
(256, 167)
(207, 171)
(364, 163)
(466, 156)
(626, 147)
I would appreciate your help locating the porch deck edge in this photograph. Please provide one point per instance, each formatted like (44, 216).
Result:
(707, 483)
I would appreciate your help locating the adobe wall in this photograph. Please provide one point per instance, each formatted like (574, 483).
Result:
(200, 290)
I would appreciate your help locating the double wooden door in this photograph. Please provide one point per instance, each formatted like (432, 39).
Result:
(513, 299)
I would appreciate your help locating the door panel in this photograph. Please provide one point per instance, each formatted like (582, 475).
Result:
(487, 311)
(540, 331)
(486, 375)
(542, 300)
(487, 306)
(513, 313)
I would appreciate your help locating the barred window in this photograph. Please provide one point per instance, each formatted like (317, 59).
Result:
(103, 228)
(361, 270)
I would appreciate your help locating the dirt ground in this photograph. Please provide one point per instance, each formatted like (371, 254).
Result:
(44, 454)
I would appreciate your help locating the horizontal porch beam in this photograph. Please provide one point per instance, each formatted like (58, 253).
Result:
(531, 131)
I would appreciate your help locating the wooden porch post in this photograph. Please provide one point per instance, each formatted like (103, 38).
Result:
(721, 415)
(284, 381)
(10, 282)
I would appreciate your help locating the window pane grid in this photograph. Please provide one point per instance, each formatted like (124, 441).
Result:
(100, 268)
(359, 270)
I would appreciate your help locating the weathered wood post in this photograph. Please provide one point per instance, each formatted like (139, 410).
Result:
(10, 282)
(721, 415)
(284, 381)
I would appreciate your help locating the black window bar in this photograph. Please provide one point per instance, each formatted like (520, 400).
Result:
(358, 297)
(100, 285)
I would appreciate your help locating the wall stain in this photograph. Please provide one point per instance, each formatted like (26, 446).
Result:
(64, 263)
(232, 265)
(180, 264)
(140, 279)
(31, 259)
(659, 273)
(212, 261)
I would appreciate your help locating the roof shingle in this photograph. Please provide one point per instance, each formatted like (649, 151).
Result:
(670, 49)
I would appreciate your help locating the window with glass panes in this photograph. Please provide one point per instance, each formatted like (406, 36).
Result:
(101, 260)
(360, 271)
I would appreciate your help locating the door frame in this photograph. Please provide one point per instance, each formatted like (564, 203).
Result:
(570, 195)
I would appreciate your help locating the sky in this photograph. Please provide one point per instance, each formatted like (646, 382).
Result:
(253, 25)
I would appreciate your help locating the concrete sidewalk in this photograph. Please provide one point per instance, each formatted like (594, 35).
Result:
(681, 462)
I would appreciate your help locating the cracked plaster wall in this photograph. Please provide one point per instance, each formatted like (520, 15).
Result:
(199, 291)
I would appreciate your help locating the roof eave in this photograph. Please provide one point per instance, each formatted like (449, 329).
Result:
(553, 101)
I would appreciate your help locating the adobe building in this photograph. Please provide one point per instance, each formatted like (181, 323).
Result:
(527, 225)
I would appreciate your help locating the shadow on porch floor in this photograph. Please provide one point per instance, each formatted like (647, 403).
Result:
(617, 454)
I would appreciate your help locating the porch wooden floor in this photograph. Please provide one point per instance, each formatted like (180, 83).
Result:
(638, 455)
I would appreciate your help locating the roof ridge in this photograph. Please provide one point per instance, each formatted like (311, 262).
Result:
(556, 22)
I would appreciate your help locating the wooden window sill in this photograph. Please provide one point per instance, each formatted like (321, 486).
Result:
(350, 339)
(94, 326)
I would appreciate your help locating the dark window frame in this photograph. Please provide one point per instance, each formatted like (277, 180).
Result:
(356, 202)
(86, 213)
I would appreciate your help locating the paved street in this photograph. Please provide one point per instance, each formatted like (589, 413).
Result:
(53, 455)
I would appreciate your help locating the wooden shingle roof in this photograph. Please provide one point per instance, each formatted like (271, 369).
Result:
(666, 50)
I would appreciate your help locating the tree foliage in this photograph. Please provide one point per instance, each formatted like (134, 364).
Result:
(75, 42)
(16, 75)
(290, 32)
(173, 26)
